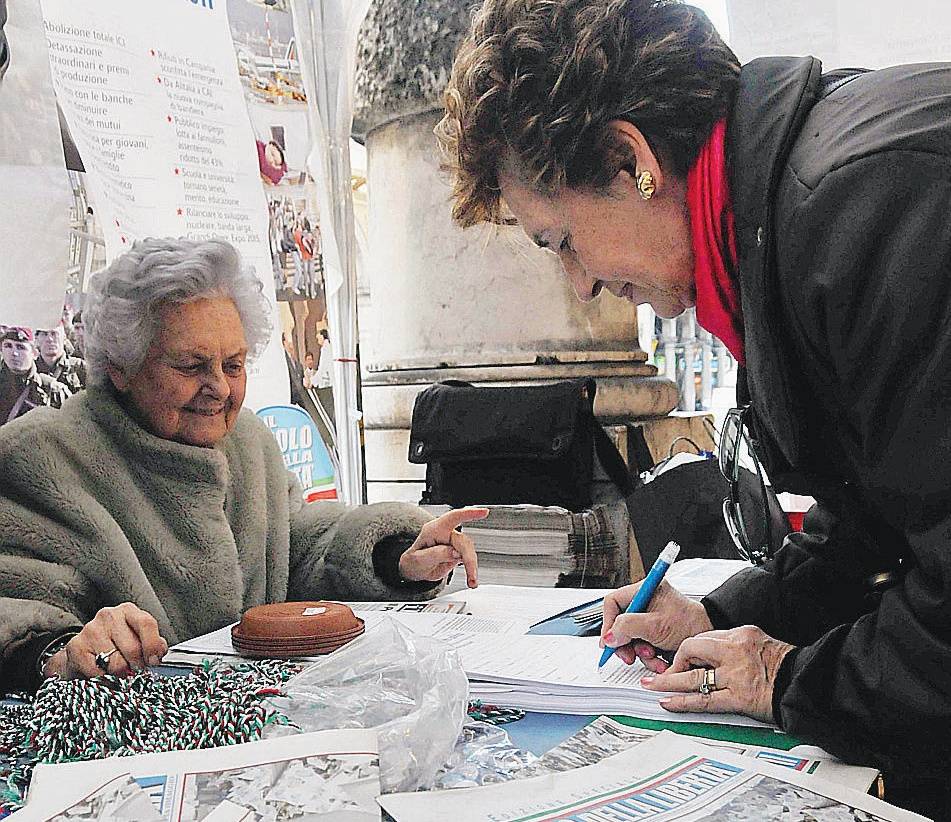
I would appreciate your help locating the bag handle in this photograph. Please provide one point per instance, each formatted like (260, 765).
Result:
(610, 458)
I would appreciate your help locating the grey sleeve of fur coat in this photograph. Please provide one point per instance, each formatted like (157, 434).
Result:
(21, 620)
(332, 550)
(59, 599)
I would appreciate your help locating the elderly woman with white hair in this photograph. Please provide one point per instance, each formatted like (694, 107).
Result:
(152, 508)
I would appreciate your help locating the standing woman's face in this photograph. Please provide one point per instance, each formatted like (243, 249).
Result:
(639, 250)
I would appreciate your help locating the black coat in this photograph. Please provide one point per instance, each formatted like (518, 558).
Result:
(842, 199)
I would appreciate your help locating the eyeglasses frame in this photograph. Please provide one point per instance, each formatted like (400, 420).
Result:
(730, 469)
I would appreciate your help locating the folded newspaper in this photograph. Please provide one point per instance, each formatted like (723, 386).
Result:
(323, 775)
(605, 737)
(664, 779)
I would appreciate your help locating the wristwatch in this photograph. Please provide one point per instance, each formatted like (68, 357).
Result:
(51, 650)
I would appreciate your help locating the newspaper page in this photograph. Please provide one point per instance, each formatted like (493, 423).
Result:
(605, 737)
(315, 777)
(427, 607)
(667, 778)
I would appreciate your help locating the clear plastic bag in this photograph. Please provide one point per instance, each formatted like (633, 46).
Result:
(485, 755)
(410, 688)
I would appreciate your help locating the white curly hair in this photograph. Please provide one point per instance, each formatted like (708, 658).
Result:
(122, 307)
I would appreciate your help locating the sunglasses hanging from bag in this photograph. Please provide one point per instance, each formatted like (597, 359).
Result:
(752, 513)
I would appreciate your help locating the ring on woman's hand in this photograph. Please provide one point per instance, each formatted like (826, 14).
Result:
(102, 660)
(709, 682)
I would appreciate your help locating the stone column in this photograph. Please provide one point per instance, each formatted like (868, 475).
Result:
(482, 305)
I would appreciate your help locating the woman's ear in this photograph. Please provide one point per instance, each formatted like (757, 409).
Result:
(630, 140)
(119, 380)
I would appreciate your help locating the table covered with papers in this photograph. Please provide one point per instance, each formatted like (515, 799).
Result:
(568, 759)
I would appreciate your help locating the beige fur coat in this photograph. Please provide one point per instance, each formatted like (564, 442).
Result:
(95, 511)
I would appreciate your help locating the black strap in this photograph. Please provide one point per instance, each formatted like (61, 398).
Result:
(18, 405)
(610, 458)
(834, 80)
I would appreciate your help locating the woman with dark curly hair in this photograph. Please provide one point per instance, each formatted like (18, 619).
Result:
(805, 216)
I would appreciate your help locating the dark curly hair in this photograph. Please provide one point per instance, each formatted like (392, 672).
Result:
(537, 82)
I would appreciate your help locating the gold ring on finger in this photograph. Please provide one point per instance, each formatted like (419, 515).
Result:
(708, 683)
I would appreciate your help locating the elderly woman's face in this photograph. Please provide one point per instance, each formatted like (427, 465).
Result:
(191, 386)
(638, 250)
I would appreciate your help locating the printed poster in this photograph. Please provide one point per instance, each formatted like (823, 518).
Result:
(155, 109)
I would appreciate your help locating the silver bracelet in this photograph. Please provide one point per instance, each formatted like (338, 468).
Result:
(51, 650)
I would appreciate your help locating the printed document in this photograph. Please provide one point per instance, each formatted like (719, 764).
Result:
(605, 737)
(667, 778)
(323, 775)
(218, 643)
(523, 603)
(430, 606)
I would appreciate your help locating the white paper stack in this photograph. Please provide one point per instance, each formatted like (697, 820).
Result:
(521, 544)
(531, 545)
(559, 674)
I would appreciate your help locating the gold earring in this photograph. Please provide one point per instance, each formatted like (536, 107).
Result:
(645, 184)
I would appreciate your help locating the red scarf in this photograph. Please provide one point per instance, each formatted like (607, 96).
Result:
(714, 256)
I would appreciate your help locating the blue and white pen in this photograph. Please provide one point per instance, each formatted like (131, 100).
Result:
(642, 599)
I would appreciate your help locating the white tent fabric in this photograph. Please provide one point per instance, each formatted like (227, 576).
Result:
(842, 33)
(327, 36)
(34, 219)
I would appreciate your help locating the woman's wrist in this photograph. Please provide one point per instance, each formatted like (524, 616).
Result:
(52, 659)
(702, 622)
(55, 666)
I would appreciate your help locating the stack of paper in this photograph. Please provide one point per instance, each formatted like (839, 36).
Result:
(545, 546)
(559, 674)
(521, 544)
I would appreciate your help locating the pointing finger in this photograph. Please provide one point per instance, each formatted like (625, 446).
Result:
(451, 520)
(470, 559)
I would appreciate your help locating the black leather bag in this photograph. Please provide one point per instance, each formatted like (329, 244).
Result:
(685, 504)
(511, 445)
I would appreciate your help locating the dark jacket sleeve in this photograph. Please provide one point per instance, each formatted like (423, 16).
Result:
(865, 266)
(21, 669)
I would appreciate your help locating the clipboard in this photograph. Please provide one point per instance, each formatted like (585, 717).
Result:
(582, 620)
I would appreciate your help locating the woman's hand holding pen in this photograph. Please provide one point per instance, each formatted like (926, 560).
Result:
(670, 619)
(744, 663)
(713, 671)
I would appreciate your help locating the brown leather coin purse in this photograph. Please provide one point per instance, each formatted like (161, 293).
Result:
(288, 629)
